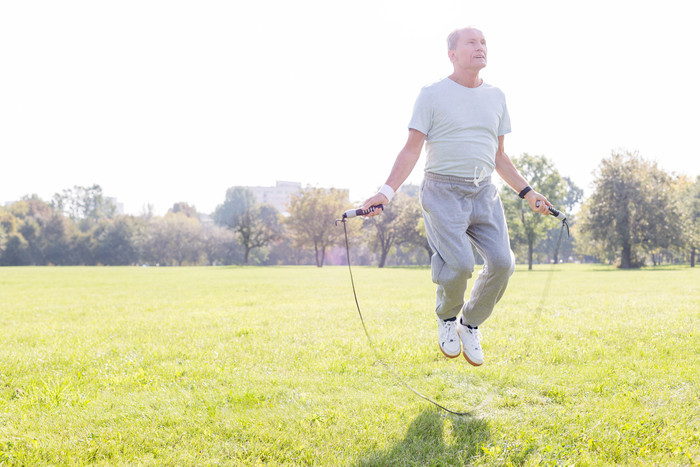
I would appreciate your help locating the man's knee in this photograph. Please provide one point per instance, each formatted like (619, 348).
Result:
(502, 265)
(457, 268)
(464, 266)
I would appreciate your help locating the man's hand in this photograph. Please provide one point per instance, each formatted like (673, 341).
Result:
(379, 198)
(537, 202)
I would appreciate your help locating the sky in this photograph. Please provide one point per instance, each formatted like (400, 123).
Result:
(161, 101)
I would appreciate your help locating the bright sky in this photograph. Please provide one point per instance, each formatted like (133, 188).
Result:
(160, 101)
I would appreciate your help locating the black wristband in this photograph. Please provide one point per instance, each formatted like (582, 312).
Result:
(524, 192)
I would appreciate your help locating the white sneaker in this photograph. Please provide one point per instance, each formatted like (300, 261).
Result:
(472, 347)
(448, 339)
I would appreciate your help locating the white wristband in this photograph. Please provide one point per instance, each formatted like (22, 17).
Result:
(387, 191)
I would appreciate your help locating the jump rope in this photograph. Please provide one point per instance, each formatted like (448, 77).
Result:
(360, 212)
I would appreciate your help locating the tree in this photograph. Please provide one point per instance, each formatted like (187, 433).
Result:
(556, 245)
(84, 205)
(385, 229)
(186, 209)
(255, 225)
(284, 251)
(398, 225)
(16, 251)
(3, 238)
(220, 245)
(410, 225)
(527, 227)
(689, 212)
(410, 222)
(174, 239)
(31, 214)
(31, 206)
(83, 246)
(116, 242)
(632, 209)
(30, 232)
(8, 226)
(8, 221)
(56, 234)
(45, 235)
(573, 197)
(311, 221)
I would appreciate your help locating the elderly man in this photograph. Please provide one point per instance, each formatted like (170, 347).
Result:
(462, 122)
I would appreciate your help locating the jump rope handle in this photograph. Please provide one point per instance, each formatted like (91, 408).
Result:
(558, 214)
(553, 212)
(361, 212)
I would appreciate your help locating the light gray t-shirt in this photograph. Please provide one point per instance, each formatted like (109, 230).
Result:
(462, 126)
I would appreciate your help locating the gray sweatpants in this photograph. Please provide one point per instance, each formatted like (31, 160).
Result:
(457, 214)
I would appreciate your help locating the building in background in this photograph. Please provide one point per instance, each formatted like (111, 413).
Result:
(279, 195)
(119, 207)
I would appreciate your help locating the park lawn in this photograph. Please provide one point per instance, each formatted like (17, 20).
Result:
(585, 365)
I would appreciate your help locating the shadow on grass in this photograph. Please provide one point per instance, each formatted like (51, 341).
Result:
(427, 443)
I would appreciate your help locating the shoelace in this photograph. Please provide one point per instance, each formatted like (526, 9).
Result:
(448, 331)
(452, 335)
(476, 333)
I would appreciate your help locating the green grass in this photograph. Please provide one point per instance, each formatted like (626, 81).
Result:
(253, 366)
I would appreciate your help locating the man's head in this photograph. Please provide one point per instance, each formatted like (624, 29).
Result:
(466, 48)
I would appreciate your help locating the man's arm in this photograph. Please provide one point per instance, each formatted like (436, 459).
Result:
(403, 166)
(510, 174)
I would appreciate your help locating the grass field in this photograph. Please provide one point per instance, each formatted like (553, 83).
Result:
(248, 366)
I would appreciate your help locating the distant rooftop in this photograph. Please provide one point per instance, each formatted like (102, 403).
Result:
(278, 195)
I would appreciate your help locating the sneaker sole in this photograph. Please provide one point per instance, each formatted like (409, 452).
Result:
(470, 362)
(446, 354)
(465, 353)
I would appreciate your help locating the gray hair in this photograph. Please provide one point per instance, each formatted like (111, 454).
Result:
(454, 37)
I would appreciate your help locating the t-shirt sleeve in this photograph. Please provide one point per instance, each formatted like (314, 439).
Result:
(422, 117)
(504, 125)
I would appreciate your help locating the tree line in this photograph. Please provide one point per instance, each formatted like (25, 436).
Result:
(638, 214)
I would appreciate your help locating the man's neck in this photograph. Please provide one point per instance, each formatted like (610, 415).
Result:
(469, 80)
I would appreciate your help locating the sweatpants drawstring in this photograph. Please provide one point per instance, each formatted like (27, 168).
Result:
(478, 179)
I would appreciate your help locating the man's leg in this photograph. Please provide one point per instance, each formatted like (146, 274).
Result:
(446, 219)
(489, 233)
(446, 216)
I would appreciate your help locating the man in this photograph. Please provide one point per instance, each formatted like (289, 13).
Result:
(462, 121)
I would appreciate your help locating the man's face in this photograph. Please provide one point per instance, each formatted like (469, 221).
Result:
(470, 51)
